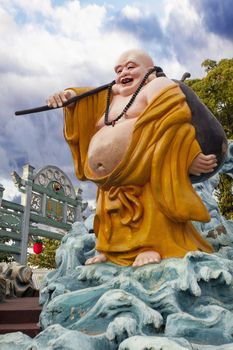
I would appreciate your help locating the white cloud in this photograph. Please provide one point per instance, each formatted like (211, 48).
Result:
(10, 191)
(79, 22)
(66, 53)
(183, 10)
(190, 42)
(131, 12)
(30, 7)
(36, 61)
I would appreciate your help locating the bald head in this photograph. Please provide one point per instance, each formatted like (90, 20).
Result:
(131, 67)
(136, 55)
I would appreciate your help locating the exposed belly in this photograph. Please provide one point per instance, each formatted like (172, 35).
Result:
(109, 145)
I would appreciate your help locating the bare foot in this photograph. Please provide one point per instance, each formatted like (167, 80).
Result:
(145, 258)
(96, 259)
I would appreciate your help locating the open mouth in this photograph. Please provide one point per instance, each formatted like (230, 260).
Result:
(125, 81)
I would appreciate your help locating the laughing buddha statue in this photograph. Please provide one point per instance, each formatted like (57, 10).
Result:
(136, 142)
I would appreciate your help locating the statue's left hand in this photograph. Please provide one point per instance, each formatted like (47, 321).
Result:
(203, 164)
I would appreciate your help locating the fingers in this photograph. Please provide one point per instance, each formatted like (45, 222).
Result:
(198, 170)
(57, 99)
(203, 164)
(206, 157)
(206, 160)
(205, 167)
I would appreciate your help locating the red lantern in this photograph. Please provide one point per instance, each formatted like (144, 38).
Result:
(38, 246)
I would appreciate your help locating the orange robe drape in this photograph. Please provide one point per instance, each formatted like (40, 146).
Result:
(147, 201)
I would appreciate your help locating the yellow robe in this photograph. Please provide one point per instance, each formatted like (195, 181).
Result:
(147, 201)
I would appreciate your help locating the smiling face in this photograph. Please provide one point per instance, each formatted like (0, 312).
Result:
(130, 69)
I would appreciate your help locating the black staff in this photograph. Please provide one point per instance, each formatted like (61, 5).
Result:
(73, 99)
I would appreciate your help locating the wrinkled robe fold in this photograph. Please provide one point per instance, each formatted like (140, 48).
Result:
(147, 201)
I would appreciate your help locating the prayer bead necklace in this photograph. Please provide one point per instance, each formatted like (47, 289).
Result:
(129, 104)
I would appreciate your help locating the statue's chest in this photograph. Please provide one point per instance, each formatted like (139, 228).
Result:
(118, 104)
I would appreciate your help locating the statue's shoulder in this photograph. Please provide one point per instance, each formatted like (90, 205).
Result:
(156, 85)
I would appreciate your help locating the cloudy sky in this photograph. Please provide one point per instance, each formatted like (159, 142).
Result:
(48, 45)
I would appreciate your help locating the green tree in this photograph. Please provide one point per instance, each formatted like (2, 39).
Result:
(225, 196)
(6, 257)
(216, 91)
(47, 258)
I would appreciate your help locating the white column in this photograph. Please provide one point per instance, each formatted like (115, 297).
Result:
(28, 177)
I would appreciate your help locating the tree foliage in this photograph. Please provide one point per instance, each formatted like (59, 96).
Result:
(5, 257)
(47, 258)
(225, 196)
(216, 91)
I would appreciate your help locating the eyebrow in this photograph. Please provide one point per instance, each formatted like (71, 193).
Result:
(120, 65)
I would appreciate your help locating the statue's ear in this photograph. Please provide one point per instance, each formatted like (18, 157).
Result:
(152, 76)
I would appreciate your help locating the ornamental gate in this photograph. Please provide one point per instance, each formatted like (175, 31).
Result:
(49, 206)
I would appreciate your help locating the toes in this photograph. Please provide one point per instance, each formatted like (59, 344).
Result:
(96, 259)
(141, 262)
(137, 263)
(88, 262)
(91, 261)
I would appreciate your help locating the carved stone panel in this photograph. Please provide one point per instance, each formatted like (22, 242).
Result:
(36, 203)
(52, 174)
